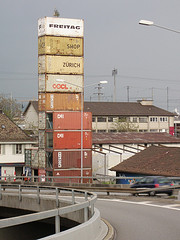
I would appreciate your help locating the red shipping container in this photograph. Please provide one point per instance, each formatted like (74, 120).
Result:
(73, 173)
(72, 120)
(72, 159)
(72, 140)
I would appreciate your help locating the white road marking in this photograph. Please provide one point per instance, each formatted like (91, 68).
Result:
(146, 203)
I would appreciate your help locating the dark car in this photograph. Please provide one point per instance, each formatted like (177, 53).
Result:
(157, 184)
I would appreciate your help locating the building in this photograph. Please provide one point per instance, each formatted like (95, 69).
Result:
(13, 145)
(31, 116)
(155, 160)
(111, 149)
(141, 116)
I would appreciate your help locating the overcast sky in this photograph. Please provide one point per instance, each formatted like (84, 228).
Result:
(147, 58)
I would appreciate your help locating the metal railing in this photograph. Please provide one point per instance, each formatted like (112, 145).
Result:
(87, 204)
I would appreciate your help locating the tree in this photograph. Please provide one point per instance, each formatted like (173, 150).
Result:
(123, 125)
(10, 107)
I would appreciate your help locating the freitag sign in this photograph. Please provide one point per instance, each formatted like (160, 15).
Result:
(60, 27)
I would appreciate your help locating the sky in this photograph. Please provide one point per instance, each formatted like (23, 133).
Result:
(147, 58)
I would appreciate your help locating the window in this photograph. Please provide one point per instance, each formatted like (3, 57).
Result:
(112, 130)
(153, 119)
(110, 119)
(163, 119)
(101, 119)
(49, 159)
(153, 130)
(134, 120)
(18, 148)
(49, 121)
(143, 119)
(93, 119)
(101, 130)
(122, 119)
(163, 130)
(143, 130)
(49, 140)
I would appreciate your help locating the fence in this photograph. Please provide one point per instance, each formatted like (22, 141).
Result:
(87, 205)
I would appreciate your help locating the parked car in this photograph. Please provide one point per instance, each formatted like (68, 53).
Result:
(160, 183)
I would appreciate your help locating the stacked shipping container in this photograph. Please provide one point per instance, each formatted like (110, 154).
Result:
(61, 82)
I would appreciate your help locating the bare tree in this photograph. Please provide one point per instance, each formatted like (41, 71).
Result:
(10, 107)
(124, 125)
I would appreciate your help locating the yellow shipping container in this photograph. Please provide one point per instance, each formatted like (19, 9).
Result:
(54, 45)
(60, 64)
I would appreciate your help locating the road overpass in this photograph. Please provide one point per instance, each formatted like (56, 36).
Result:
(81, 219)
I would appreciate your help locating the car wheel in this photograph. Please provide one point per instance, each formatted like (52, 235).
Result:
(152, 193)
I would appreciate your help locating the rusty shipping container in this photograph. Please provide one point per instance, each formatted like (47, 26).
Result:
(60, 83)
(71, 159)
(72, 173)
(72, 120)
(53, 45)
(59, 102)
(60, 65)
(60, 27)
(71, 139)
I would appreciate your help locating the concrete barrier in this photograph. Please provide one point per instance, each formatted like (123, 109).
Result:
(94, 229)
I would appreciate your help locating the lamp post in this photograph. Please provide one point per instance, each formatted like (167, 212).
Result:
(82, 110)
(150, 23)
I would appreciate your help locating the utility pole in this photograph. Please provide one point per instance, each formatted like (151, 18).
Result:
(114, 73)
(167, 98)
(128, 93)
(152, 93)
(99, 92)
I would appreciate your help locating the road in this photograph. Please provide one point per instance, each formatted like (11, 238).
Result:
(139, 220)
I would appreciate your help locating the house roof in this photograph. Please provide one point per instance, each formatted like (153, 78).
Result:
(10, 132)
(34, 104)
(117, 109)
(134, 138)
(124, 109)
(164, 161)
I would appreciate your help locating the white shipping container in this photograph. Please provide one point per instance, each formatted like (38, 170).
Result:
(60, 83)
(60, 65)
(60, 27)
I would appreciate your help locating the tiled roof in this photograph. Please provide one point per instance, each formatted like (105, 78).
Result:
(164, 161)
(133, 138)
(10, 132)
(124, 109)
(117, 109)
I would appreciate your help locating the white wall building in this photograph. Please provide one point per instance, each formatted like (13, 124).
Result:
(13, 145)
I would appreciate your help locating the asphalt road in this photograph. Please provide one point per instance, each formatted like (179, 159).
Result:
(142, 219)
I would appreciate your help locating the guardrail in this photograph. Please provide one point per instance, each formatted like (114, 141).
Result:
(87, 205)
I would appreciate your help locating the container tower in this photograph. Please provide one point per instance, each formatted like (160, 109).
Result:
(65, 136)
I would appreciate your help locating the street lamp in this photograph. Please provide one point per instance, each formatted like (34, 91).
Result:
(150, 23)
(82, 92)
